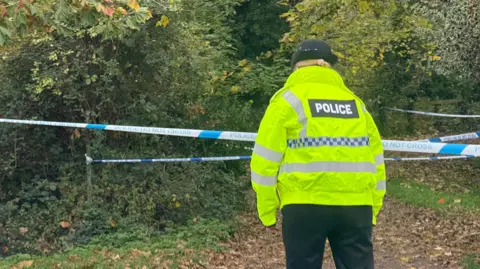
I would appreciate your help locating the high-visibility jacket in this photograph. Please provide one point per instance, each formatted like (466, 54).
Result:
(317, 144)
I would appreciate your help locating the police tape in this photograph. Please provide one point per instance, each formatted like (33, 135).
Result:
(388, 145)
(431, 158)
(452, 138)
(235, 158)
(170, 160)
(433, 113)
(236, 136)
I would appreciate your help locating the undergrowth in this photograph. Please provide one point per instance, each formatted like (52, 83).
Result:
(179, 246)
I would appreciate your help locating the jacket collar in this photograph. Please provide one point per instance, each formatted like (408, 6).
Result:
(315, 74)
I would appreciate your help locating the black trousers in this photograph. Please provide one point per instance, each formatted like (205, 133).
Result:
(305, 229)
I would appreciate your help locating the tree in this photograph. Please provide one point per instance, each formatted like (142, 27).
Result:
(109, 18)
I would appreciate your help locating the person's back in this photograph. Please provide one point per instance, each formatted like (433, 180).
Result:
(319, 149)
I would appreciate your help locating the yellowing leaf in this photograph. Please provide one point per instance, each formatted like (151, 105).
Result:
(113, 223)
(177, 204)
(65, 224)
(149, 14)
(133, 4)
(3, 10)
(436, 58)
(243, 63)
(162, 22)
(187, 196)
(24, 264)
(235, 89)
(100, 7)
(122, 11)
(457, 201)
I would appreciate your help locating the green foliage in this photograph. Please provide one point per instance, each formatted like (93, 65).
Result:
(139, 248)
(454, 31)
(152, 77)
(258, 27)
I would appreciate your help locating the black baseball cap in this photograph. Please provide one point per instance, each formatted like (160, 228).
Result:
(312, 49)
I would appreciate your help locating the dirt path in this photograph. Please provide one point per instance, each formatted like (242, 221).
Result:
(405, 238)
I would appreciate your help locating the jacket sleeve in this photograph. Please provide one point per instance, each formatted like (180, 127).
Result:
(377, 150)
(270, 146)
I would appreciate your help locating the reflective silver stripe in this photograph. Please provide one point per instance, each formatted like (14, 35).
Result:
(328, 167)
(381, 185)
(379, 159)
(264, 180)
(364, 109)
(267, 153)
(298, 107)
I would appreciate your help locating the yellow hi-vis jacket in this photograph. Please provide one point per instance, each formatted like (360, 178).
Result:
(317, 144)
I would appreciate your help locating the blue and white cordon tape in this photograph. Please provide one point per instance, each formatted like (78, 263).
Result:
(235, 158)
(170, 160)
(452, 137)
(388, 145)
(432, 113)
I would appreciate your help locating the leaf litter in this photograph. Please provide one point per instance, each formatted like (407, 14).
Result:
(405, 237)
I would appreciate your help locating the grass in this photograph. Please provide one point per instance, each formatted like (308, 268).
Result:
(421, 195)
(179, 248)
(471, 262)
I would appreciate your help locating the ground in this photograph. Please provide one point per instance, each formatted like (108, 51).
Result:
(405, 237)
(423, 224)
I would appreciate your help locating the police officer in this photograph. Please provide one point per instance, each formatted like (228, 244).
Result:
(319, 158)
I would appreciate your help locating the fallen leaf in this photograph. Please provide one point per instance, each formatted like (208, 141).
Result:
(5, 249)
(23, 230)
(24, 264)
(133, 4)
(76, 133)
(65, 224)
(441, 201)
(457, 201)
(177, 204)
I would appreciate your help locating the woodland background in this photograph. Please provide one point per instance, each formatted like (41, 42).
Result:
(200, 64)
